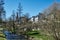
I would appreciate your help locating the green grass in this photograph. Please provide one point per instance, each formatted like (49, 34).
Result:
(44, 37)
(2, 38)
(39, 36)
(32, 32)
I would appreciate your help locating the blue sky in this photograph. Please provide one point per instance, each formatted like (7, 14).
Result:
(33, 7)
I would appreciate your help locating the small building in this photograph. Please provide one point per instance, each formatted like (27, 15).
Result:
(34, 19)
(37, 18)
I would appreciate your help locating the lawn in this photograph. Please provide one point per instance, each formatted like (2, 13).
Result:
(2, 36)
(38, 36)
